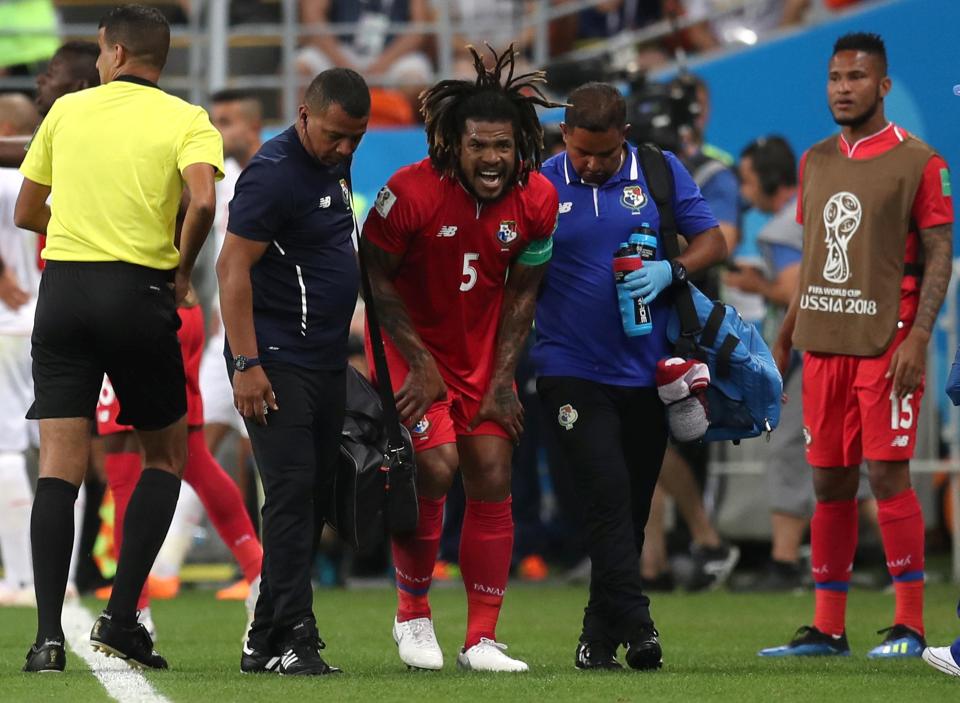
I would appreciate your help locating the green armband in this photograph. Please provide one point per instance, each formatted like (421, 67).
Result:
(537, 253)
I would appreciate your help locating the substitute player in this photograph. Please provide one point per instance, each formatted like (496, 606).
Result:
(217, 491)
(443, 236)
(876, 211)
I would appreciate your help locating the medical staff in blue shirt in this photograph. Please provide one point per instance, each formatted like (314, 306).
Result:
(595, 381)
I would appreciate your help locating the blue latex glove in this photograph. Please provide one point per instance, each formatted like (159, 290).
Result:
(647, 283)
(953, 389)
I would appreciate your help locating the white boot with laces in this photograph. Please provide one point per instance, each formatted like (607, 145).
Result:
(488, 655)
(417, 644)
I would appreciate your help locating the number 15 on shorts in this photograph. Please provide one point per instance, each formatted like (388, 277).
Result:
(901, 412)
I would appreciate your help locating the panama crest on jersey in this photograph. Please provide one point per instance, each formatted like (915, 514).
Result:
(567, 416)
(345, 192)
(507, 232)
(633, 198)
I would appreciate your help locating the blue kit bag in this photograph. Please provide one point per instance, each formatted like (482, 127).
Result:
(744, 396)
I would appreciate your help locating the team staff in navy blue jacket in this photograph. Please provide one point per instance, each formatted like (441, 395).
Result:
(288, 286)
(597, 382)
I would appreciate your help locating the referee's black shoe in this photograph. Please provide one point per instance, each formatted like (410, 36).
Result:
(643, 651)
(256, 661)
(596, 656)
(49, 657)
(130, 643)
(301, 653)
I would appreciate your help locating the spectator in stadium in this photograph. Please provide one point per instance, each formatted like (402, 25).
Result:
(110, 234)
(72, 68)
(614, 16)
(399, 59)
(19, 282)
(744, 25)
(877, 215)
(453, 361)
(288, 286)
(597, 382)
(768, 181)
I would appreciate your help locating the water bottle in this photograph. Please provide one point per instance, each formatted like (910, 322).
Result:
(634, 313)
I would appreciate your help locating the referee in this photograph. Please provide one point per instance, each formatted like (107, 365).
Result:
(116, 159)
(288, 286)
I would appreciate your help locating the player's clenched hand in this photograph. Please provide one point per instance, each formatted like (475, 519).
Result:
(181, 285)
(500, 404)
(908, 362)
(253, 394)
(422, 387)
(10, 292)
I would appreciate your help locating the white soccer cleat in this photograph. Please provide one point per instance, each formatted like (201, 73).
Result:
(145, 618)
(488, 655)
(417, 644)
(941, 658)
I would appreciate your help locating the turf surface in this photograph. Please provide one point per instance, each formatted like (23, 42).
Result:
(710, 643)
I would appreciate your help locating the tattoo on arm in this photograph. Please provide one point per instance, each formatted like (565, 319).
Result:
(516, 318)
(394, 318)
(937, 245)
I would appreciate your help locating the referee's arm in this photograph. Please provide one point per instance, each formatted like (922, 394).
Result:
(197, 221)
(31, 211)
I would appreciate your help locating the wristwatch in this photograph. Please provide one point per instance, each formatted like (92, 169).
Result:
(679, 273)
(242, 363)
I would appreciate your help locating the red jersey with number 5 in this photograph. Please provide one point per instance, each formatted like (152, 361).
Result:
(456, 253)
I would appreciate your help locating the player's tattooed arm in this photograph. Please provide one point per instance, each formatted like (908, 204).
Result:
(423, 385)
(909, 360)
(500, 402)
(937, 245)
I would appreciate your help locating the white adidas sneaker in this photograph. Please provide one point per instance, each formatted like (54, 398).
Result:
(417, 644)
(941, 658)
(488, 655)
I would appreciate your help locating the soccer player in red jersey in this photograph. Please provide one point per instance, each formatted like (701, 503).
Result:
(877, 216)
(217, 491)
(456, 246)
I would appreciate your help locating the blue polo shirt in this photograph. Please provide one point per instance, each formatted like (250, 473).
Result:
(579, 332)
(305, 284)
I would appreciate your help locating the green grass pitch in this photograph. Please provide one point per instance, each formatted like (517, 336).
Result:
(710, 642)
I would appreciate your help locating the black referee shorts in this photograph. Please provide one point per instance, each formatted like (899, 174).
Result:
(109, 318)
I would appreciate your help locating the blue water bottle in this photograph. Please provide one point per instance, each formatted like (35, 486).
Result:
(634, 314)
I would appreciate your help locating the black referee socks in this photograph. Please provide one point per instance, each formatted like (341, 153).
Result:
(145, 527)
(51, 535)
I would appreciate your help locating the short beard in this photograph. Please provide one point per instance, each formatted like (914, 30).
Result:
(511, 182)
(861, 119)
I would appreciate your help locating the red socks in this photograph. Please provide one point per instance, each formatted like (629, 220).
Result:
(224, 505)
(486, 545)
(123, 471)
(833, 541)
(901, 525)
(413, 559)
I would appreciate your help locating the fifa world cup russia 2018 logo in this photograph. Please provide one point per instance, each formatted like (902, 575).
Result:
(841, 216)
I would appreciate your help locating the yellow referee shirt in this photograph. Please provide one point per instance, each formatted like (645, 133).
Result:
(113, 157)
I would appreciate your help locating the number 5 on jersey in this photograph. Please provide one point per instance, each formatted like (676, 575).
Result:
(469, 272)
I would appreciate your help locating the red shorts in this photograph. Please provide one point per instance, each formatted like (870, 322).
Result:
(191, 345)
(446, 419)
(850, 412)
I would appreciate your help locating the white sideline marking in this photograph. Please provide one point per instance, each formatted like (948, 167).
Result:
(121, 682)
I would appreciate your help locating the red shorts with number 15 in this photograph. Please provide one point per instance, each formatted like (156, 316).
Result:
(850, 412)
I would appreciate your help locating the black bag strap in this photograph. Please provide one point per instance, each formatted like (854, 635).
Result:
(660, 183)
(724, 354)
(391, 419)
(712, 327)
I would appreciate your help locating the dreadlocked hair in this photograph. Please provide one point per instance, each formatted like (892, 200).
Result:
(496, 96)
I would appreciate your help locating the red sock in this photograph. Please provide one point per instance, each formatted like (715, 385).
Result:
(486, 545)
(901, 526)
(224, 505)
(833, 541)
(123, 471)
(414, 557)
